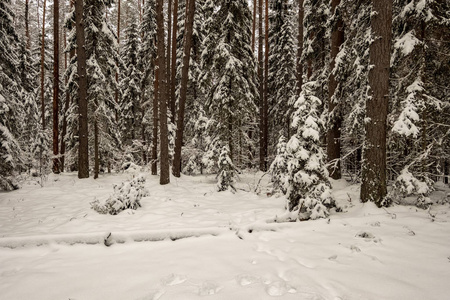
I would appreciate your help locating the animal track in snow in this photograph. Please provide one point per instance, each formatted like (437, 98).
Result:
(208, 288)
(279, 288)
(247, 279)
(173, 279)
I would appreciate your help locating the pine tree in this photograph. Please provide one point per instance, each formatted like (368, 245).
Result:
(102, 63)
(309, 190)
(374, 181)
(227, 175)
(11, 104)
(282, 81)
(279, 168)
(230, 74)
(130, 85)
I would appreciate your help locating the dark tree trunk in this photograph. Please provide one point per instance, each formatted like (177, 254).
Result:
(56, 86)
(83, 154)
(301, 14)
(261, 86)
(27, 29)
(254, 26)
(170, 101)
(163, 97)
(374, 163)
(335, 119)
(155, 120)
(173, 72)
(96, 156)
(176, 168)
(42, 67)
(266, 78)
(116, 93)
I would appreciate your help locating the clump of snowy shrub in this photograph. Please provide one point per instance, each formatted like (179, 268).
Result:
(127, 195)
(226, 178)
(279, 169)
(407, 184)
(309, 190)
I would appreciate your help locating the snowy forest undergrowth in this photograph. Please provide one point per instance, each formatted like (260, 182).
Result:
(236, 249)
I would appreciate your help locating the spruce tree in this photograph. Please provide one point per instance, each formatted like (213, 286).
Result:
(309, 189)
(230, 75)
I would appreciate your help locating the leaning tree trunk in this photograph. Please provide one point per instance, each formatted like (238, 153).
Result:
(83, 154)
(163, 130)
(335, 119)
(374, 163)
(183, 90)
(55, 86)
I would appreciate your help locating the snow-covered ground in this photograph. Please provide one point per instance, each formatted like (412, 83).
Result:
(189, 242)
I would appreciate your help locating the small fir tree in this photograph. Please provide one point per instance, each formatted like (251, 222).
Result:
(279, 168)
(226, 178)
(309, 189)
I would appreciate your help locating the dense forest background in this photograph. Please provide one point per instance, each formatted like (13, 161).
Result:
(302, 89)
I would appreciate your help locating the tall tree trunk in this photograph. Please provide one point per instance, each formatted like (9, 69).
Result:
(163, 93)
(173, 72)
(42, 66)
(27, 29)
(266, 79)
(301, 14)
(254, 26)
(374, 164)
(170, 101)
(189, 24)
(334, 117)
(83, 154)
(116, 93)
(261, 86)
(56, 86)
(96, 154)
(155, 120)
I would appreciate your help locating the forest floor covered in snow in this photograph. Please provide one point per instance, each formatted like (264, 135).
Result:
(188, 241)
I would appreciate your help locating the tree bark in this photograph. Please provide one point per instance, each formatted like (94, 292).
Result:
(155, 120)
(374, 164)
(27, 29)
(56, 86)
(176, 169)
(42, 67)
(335, 119)
(163, 93)
(301, 14)
(174, 60)
(261, 86)
(254, 26)
(96, 156)
(83, 154)
(170, 101)
(116, 93)
(266, 79)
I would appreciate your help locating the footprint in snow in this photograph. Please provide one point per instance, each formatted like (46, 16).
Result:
(246, 279)
(154, 295)
(279, 288)
(173, 279)
(208, 288)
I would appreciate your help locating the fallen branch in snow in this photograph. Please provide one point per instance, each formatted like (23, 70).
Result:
(109, 238)
(259, 181)
(433, 217)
